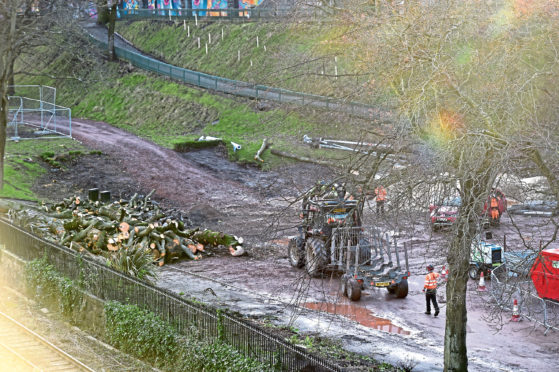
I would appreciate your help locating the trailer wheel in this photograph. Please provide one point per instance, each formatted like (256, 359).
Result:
(295, 252)
(353, 290)
(473, 272)
(316, 257)
(402, 289)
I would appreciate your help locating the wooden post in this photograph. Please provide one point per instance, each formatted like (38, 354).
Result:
(251, 63)
(257, 42)
(105, 196)
(206, 48)
(196, 18)
(188, 31)
(184, 24)
(93, 194)
(238, 56)
(198, 43)
(209, 38)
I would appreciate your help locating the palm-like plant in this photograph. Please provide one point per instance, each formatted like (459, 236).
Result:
(134, 261)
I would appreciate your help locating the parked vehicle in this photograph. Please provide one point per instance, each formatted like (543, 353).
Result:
(485, 256)
(332, 238)
(445, 213)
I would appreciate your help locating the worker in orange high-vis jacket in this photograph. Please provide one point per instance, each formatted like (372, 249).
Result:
(430, 289)
(380, 194)
(494, 207)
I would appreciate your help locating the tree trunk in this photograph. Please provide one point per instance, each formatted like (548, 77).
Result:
(455, 351)
(11, 82)
(111, 32)
(3, 125)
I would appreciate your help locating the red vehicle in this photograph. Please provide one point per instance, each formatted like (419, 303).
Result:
(545, 274)
(445, 213)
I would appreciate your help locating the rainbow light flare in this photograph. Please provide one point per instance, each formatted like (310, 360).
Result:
(444, 126)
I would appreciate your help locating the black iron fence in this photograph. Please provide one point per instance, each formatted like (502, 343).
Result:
(187, 316)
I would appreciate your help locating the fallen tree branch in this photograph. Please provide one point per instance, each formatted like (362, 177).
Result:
(262, 148)
(302, 158)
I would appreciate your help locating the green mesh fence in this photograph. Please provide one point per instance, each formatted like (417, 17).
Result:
(244, 89)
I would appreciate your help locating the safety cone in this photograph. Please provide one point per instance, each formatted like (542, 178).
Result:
(515, 313)
(444, 273)
(481, 286)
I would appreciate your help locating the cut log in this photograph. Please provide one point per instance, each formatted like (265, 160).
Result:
(124, 227)
(236, 251)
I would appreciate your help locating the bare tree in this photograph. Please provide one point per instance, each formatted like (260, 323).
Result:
(473, 82)
(18, 27)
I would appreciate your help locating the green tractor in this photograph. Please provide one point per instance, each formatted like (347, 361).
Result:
(332, 238)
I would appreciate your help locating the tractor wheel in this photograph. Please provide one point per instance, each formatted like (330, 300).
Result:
(316, 257)
(391, 289)
(344, 280)
(295, 252)
(353, 290)
(364, 250)
(473, 272)
(402, 289)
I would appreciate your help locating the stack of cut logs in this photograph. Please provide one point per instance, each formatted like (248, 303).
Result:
(101, 228)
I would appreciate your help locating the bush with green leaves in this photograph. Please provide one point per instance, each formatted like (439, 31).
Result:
(144, 335)
(50, 287)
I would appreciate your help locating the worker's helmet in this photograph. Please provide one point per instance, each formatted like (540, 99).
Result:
(430, 268)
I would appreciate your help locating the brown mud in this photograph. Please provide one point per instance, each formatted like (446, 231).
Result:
(256, 205)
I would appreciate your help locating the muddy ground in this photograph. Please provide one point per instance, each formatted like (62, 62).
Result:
(244, 201)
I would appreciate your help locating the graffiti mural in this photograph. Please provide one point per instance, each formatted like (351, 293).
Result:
(200, 4)
(247, 4)
(129, 5)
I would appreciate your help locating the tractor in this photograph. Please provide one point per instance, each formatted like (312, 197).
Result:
(331, 238)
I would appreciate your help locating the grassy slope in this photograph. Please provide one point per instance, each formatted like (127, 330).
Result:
(23, 164)
(295, 58)
(163, 111)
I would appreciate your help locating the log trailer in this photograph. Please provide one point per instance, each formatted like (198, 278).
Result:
(331, 239)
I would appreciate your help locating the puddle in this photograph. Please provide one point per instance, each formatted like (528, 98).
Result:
(359, 314)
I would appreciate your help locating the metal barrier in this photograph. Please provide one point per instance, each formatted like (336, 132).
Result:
(244, 89)
(34, 106)
(108, 284)
(505, 290)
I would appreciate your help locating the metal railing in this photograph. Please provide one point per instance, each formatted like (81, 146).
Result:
(210, 324)
(506, 289)
(244, 89)
(242, 14)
